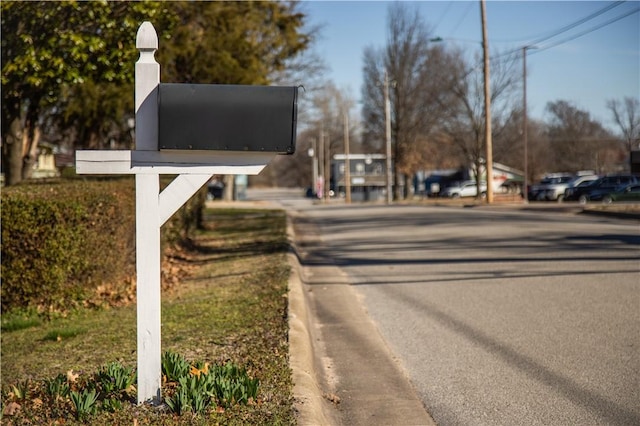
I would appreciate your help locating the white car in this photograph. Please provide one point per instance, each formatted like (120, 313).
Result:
(467, 188)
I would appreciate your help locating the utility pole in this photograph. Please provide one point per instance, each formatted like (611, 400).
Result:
(327, 170)
(525, 194)
(487, 104)
(347, 162)
(387, 116)
(525, 125)
(321, 164)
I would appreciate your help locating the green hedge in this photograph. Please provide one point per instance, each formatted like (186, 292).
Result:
(63, 239)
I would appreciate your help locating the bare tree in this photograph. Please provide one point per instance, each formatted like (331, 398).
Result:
(627, 116)
(577, 142)
(420, 78)
(540, 162)
(324, 118)
(465, 123)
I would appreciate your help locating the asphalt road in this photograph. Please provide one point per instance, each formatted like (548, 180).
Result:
(498, 316)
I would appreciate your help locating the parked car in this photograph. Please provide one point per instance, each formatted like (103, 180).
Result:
(629, 192)
(215, 189)
(436, 183)
(555, 190)
(603, 185)
(549, 185)
(578, 182)
(468, 188)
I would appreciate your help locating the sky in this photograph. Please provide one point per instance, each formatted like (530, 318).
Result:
(587, 71)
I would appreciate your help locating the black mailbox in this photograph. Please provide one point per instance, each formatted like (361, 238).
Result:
(227, 117)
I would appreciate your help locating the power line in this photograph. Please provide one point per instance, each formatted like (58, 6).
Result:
(590, 30)
(552, 33)
(442, 16)
(576, 23)
(566, 28)
(569, 27)
(464, 15)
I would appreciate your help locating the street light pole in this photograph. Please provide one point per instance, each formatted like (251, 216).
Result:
(387, 116)
(347, 162)
(313, 153)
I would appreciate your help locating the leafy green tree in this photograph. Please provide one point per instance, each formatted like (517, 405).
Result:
(71, 63)
(232, 42)
(51, 52)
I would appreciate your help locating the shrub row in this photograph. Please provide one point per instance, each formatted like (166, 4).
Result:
(62, 239)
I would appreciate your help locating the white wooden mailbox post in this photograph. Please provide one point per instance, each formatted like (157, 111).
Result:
(193, 167)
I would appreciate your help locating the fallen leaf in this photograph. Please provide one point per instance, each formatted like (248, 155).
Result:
(332, 397)
(11, 409)
(72, 377)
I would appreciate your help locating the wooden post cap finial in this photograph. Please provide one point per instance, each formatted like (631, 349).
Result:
(146, 38)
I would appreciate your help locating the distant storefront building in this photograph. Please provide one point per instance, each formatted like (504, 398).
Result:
(367, 176)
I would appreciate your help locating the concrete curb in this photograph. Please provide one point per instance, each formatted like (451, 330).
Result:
(308, 397)
(345, 374)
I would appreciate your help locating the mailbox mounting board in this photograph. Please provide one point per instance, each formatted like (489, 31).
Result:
(227, 117)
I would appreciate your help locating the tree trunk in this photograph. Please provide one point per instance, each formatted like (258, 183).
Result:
(12, 149)
(398, 191)
(228, 187)
(409, 188)
(30, 139)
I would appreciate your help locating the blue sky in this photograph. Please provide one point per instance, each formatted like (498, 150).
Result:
(587, 71)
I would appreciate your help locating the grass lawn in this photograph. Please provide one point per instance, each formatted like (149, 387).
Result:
(231, 307)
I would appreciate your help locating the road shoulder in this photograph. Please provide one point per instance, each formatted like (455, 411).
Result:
(354, 368)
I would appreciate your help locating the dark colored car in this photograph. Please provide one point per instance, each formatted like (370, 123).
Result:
(215, 190)
(624, 193)
(603, 185)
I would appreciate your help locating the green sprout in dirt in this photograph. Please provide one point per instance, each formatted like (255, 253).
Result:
(84, 402)
(174, 366)
(202, 385)
(57, 388)
(115, 379)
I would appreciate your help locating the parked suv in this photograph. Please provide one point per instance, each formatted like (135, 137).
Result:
(466, 188)
(549, 185)
(578, 182)
(556, 189)
(604, 184)
(625, 193)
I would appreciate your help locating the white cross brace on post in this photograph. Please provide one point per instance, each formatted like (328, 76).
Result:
(194, 169)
